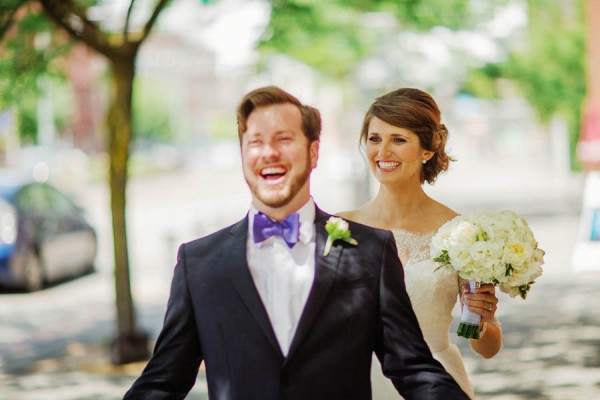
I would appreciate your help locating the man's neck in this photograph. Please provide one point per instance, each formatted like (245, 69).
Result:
(280, 213)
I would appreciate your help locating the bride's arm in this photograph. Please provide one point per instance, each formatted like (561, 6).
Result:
(484, 302)
(491, 342)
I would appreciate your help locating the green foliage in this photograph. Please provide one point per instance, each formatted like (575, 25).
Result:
(552, 73)
(62, 101)
(333, 36)
(550, 70)
(482, 82)
(25, 58)
(27, 118)
(151, 111)
(423, 14)
(223, 127)
(318, 33)
(8, 9)
(28, 56)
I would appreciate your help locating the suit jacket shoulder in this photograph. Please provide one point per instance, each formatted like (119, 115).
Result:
(370, 240)
(212, 253)
(221, 236)
(356, 226)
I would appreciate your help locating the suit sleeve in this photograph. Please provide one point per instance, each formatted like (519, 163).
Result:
(173, 367)
(401, 349)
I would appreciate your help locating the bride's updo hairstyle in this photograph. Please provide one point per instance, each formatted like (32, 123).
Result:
(417, 111)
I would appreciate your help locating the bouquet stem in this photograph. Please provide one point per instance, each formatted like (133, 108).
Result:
(470, 321)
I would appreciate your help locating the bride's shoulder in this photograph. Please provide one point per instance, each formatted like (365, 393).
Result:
(357, 215)
(362, 214)
(443, 213)
(351, 214)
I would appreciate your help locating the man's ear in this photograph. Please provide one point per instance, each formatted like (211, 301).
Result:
(314, 153)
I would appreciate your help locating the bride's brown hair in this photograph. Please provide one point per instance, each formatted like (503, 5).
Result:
(417, 111)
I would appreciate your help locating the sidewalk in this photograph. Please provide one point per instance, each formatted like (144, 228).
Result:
(552, 340)
(551, 349)
(551, 345)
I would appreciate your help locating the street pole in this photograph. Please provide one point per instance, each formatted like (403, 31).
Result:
(589, 141)
(586, 252)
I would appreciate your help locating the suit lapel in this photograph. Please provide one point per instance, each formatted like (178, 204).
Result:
(325, 273)
(243, 282)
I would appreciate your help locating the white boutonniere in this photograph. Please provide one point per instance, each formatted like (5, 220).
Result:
(337, 229)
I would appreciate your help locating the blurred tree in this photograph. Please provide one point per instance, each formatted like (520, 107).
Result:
(548, 69)
(120, 49)
(28, 57)
(334, 36)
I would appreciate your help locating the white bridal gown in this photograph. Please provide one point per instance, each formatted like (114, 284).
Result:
(433, 294)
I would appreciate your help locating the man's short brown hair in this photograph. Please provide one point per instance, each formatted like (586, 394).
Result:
(269, 95)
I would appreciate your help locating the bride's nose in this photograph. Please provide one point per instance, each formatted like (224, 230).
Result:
(384, 149)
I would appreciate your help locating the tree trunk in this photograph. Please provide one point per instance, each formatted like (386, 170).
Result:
(130, 344)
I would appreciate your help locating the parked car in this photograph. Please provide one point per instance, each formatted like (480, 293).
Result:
(44, 235)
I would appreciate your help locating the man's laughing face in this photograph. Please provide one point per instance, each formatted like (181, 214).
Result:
(277, 158)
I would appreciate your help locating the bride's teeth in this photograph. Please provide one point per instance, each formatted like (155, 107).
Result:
(388, 164)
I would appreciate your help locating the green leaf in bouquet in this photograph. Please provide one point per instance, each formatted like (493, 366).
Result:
(523, 290)
(443, 258)
(509, 270)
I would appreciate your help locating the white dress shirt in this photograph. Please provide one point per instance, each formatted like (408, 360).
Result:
(284, 276)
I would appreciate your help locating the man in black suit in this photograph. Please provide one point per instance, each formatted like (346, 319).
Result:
(272, 309)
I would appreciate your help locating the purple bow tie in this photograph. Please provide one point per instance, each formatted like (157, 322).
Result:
(289, 229)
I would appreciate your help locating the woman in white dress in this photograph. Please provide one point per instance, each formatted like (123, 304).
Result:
(405, 146)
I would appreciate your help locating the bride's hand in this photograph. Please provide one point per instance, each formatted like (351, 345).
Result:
(483, 302)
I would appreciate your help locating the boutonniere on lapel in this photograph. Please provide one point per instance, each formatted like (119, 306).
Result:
(337, 229)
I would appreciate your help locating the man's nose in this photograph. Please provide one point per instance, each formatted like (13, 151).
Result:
(270, 152)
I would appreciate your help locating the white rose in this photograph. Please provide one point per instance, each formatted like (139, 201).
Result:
(516, 252)
(464, 233)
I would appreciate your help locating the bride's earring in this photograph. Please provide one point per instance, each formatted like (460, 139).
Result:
(424, 161)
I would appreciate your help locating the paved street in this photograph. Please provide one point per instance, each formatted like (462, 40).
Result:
(52, 343)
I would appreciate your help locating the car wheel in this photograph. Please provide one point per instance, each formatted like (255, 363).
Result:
(34, 273)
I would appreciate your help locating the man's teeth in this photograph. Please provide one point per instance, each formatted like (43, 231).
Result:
(273, 171)
(388, 164)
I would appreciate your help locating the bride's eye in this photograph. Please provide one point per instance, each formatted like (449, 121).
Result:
(374, 139)
(399, 140)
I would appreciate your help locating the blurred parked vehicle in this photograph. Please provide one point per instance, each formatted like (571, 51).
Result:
(44, 235)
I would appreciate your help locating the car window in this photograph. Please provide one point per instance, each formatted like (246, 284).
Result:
(45, 199)
(32, 199)
(59, 202)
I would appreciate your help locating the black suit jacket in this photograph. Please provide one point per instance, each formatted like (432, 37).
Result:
(357, 305)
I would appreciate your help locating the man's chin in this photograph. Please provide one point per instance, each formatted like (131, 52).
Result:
(274, 200)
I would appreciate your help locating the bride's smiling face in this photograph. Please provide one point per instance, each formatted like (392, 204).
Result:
(395, 154)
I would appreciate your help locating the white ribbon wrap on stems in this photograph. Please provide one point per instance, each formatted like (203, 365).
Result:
(470, 321)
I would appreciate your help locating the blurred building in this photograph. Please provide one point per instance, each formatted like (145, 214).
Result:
(84, 70)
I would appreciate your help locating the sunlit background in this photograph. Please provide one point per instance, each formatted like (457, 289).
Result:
(508, 75)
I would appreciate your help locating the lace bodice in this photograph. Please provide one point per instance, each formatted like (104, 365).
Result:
(412, 246)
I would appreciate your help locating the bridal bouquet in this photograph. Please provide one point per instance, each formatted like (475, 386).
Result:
(489, 247)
